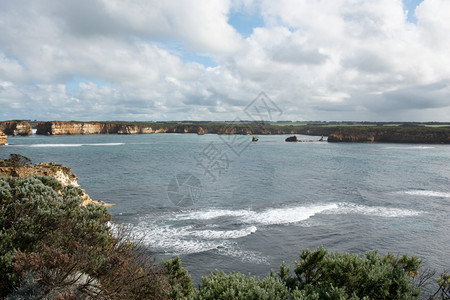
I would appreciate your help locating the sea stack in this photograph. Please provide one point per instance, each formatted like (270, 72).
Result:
(16, 128)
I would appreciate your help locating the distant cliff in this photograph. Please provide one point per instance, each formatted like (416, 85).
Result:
(63, 128)
(3, 138)
(335, 133)
(391, 134)
(16, 128)
(72, 127)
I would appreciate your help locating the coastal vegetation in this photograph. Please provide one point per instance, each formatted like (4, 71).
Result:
(52, 246)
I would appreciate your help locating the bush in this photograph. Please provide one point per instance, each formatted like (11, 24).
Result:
(51, 245)
(373, 276)
(219, 285)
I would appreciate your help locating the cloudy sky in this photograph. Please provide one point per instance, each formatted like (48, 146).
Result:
(384, 60)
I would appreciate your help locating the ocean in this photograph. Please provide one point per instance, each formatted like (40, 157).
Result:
(224, 202)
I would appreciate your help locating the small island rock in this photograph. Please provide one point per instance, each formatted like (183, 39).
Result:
(292, 139)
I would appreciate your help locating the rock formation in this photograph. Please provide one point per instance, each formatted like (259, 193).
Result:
(61, 173)
(16, 128)
(292, 139)
(3, 138)
(68, 128)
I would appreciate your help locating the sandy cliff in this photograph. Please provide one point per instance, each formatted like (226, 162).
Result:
(67, 128)
(16, 128)
(3, 138)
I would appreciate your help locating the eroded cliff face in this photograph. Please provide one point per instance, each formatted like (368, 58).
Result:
(16, 128)
(61, 173)
(67, 128)
(3, 138)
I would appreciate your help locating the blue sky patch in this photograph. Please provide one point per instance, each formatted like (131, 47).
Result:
(411, 5)
(244, 22)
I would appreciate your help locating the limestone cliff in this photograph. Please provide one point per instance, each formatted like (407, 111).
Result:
(16, 128)
(68, 128)
(61, 173)
(3, 138)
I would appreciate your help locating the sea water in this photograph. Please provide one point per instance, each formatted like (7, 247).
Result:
(224, 202)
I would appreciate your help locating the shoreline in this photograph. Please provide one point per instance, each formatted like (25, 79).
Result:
(345, 132)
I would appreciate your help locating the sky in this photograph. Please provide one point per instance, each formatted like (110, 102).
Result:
(154, 60)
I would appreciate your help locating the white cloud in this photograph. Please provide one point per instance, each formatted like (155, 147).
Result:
(325, 60)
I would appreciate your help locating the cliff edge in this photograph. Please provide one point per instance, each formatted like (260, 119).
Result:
(16, 128)
(13, 168)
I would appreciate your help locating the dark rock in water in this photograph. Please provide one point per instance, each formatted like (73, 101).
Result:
(255, 139)
(292, 139)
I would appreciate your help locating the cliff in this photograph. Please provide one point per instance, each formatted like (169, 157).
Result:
(3, 138)
(335, 133)
(61, 173)
(63, 128)
(16, 128)
(392, 134)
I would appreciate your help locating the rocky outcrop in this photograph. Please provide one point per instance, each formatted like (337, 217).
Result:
(16, 128)
(393, 134)
(292, 139)
(3, 138)
(61, 173)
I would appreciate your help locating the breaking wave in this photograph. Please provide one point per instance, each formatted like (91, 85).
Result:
(69, 145)
(426, 193)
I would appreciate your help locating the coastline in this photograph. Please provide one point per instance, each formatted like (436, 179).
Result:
(350, 132)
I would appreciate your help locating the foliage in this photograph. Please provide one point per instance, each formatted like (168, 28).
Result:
(15, 160)
(179, 279)
(52, 244)
(351, 276)
(219, 285)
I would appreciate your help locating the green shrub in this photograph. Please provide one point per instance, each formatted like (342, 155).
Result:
(219, 285)
(69, 249)
(373, 276)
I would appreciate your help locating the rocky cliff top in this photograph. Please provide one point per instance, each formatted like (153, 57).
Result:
(19, 166)
(392, 134)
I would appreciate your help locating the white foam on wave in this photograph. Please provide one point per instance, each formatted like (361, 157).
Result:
(427, 193)
(287, 215)
(53, 145)
(271, 216)
(186, 239)
(223, 234)
(376, 211)
(410, 147)
(212, 214)
(71, 145)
